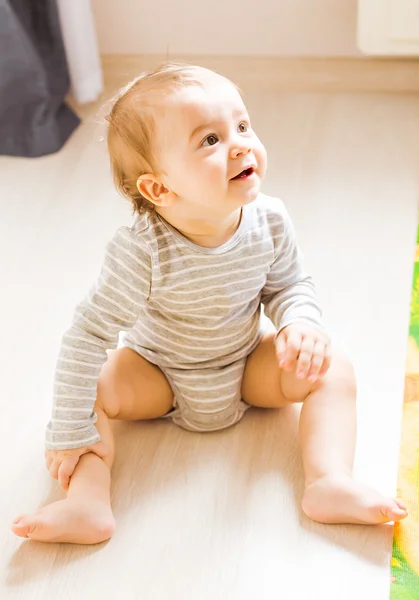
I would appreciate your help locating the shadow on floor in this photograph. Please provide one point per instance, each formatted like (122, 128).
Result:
(152, 456)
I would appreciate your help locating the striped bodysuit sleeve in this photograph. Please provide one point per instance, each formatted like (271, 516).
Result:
(289, 295)
(113, 305)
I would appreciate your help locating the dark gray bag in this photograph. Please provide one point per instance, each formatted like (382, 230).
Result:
(34, 80)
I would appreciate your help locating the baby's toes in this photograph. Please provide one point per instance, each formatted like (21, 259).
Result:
(17, 519)
(394, 511)
(24, 526)
(21, 526)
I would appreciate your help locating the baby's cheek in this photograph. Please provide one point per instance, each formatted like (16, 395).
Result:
(215, 173)
(261, 157)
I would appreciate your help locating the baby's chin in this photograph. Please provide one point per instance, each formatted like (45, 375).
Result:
(246, 196)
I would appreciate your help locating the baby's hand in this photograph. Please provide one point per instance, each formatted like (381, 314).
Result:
(61, 463)
(305, 349)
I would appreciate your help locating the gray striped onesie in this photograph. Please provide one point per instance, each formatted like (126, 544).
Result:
(193, 311)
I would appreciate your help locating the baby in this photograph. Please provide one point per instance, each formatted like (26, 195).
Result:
(186, 283)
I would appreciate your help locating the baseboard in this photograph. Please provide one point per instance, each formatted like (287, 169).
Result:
(285, 73)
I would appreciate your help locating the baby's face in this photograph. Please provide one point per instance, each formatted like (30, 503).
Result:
(206, 143)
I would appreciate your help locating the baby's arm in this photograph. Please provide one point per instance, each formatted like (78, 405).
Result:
(289, 295)
(291, 303)
(112, 305)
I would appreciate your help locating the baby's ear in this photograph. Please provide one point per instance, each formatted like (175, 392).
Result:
(154, 190)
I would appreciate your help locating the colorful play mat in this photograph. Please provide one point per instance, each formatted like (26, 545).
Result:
(405, 560)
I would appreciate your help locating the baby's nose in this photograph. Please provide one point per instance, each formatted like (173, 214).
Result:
(239, 150)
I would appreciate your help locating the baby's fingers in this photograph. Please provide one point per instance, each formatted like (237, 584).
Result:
(305, 358)
(317, 361)
(292, 350)
(321, 362)
(280, 348)
(48, 458)
(54, 466)
(66, 470)
(327, 362)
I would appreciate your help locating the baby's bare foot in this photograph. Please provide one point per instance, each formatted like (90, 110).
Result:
(340, 499)
(76, 521)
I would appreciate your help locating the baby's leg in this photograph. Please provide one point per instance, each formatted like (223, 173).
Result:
(129, 388)
(327, 435)
(328, 438)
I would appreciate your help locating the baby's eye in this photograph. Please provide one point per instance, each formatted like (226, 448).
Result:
(243, 127)
(211, 139)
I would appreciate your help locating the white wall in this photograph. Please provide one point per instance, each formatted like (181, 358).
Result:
(389, 27)
(232, 27)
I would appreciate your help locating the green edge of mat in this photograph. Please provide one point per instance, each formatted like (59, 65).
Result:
(405, 581)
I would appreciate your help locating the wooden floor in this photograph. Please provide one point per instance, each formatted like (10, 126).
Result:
(216, 516)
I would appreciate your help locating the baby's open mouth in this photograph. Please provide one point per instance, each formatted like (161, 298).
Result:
(245, 173)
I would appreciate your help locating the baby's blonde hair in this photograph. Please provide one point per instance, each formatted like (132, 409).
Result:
(131, 125)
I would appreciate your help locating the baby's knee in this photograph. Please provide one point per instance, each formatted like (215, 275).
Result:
(339, 380)
(341, 372)
(108, 389)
